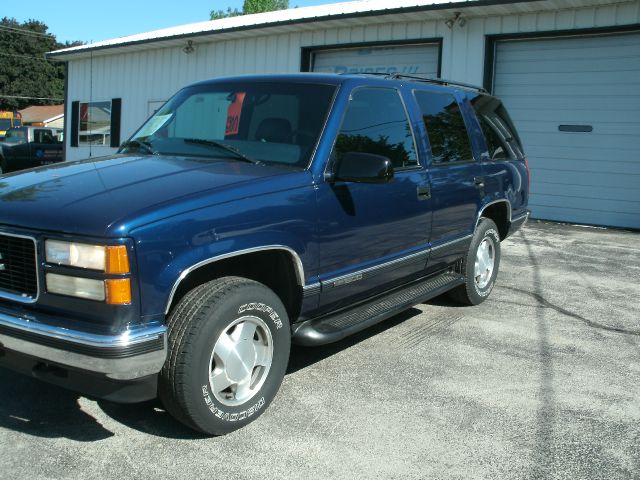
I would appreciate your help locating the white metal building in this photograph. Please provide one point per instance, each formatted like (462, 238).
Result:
(567, 70)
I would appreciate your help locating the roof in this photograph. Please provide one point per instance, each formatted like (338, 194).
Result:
(337, 13)
(42, 114)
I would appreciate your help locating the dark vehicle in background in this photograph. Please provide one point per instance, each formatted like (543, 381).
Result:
(28, 147)
(246, 214)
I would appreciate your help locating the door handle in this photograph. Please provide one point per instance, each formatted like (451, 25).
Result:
(424, 192)
(479, 182)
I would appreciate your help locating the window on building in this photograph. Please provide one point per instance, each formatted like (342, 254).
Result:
(445, 127)
(94, 127)
(376, 122)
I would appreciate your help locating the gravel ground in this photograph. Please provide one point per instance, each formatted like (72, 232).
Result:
(540, 381)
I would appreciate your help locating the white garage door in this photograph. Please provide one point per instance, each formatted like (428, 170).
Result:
(405, 59)
(576, 104)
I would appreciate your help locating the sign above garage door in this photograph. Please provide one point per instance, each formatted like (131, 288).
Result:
(414, 59)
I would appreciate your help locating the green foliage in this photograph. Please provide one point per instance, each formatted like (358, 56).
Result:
(251, 6)
(259, 6)
(23, 69)
(216, 14)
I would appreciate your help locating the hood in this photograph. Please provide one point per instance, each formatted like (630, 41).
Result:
(104, 196)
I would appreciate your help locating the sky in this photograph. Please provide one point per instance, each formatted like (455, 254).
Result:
(72, 20)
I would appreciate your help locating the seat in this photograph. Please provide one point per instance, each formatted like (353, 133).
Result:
(275, 130)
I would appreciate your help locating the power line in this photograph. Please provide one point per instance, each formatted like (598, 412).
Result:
(26, 56)
(29, 98)
(23, 31)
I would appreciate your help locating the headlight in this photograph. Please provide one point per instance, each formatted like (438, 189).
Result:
(112, 291)
(76, 287)
(108, 259)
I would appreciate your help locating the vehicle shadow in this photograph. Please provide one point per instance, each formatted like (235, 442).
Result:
(33, 407)
(150, 418)
(303, 357)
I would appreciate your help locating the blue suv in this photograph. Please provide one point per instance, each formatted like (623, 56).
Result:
(246, 214)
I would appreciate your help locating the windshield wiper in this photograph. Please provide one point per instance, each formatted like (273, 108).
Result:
(223, 146)
(141, 145)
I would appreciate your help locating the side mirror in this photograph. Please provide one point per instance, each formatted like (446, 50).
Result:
(364, 168)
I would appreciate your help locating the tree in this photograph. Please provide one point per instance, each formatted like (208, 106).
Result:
(251, 6)
(24, 71)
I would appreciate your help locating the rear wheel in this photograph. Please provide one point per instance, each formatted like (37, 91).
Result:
(480, 266)
(229, 343)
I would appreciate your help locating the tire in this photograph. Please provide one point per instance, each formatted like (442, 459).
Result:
(480, 265)
(228, 350)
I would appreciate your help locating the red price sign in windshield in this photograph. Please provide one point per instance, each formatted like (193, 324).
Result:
(233, 115)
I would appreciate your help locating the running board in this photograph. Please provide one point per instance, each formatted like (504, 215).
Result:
(335, 327)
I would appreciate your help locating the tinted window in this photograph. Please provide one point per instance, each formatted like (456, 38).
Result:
(445, 127)
(376, 122)
(499, 132)
(496, 145)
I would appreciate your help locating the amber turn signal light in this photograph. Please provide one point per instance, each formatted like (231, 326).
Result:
(118, 291)
(117, 260)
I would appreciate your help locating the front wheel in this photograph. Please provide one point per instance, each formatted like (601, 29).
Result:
(229, 343)
(480, 266)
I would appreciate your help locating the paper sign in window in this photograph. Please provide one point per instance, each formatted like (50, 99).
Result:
(233, 115)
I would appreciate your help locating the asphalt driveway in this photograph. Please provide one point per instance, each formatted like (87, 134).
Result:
(540, 381)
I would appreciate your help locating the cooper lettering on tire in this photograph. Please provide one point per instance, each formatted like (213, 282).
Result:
(480, 265)
(229, 343)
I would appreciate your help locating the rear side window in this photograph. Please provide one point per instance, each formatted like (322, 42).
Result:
(445, 127)
(376, 122)
(499, 132)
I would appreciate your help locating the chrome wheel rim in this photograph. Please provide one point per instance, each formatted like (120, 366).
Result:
(485, 261)
(240, 361)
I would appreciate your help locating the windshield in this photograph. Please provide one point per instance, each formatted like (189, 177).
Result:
(5, 124)
(246, 121)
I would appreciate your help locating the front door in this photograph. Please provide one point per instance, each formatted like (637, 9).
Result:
(372, 235)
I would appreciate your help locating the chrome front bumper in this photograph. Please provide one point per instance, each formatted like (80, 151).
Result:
(130, 355)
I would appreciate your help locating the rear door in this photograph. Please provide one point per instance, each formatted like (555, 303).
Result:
(456, 176)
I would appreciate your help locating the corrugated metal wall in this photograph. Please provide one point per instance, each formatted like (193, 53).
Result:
(154, 74)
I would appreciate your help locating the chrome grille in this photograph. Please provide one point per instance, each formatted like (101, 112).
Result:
(18, 270)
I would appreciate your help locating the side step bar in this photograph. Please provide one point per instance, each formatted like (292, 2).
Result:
(335, 327)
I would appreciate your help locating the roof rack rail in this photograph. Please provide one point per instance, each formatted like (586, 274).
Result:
(437, 81)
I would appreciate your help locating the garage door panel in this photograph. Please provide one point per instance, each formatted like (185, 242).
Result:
(581, 115)
(557, 139)
(610, 131)
(620, 103)
(581, 165)
(597, 217)
(576, 90)
(581, 62)
(618, 206)
(553, 79)
(583, 154)
(544, 49)
(590, 177)
(608, 193)
(563, 177)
